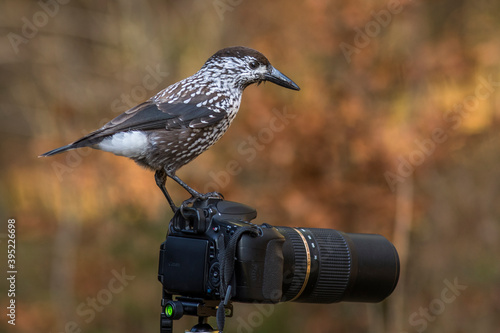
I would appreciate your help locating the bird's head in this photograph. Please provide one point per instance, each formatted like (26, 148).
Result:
(245, 66)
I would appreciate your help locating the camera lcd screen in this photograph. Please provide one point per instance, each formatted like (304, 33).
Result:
(184, 265)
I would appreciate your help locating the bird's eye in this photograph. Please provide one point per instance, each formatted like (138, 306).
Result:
(253, 64)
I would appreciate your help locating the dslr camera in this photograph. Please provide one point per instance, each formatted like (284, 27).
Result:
(214, 254)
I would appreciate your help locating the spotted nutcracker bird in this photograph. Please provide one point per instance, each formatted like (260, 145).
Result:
(185, 119)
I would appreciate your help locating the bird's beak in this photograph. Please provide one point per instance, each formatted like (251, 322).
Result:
(275, 76)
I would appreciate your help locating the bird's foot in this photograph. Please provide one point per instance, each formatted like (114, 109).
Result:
(211, 195)
(202, 197)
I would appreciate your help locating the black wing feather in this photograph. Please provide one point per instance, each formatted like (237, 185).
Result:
(150, 115)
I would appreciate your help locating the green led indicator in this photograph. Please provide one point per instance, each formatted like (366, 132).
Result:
(169, 310)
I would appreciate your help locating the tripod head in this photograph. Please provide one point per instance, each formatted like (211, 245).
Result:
(176, 309)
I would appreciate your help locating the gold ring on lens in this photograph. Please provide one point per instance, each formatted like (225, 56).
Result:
(308, 268)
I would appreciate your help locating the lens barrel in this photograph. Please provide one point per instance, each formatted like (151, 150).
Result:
(329, 266)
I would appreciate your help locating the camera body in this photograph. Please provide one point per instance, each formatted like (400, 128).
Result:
(190, 257)
(270, 264)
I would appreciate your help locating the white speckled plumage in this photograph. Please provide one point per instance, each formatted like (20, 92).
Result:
(186, 118)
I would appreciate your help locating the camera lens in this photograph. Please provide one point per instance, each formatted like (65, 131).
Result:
(328, 266)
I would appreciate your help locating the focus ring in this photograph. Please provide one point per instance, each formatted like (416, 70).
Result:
(294, 279)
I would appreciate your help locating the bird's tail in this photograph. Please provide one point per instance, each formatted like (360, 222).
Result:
(77, 144)
(60, 150)
(87, 141)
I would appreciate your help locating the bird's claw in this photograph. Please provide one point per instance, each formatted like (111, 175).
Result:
(201, 197)
(211, 195)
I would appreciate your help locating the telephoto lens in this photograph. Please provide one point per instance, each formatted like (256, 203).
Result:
(328, 266)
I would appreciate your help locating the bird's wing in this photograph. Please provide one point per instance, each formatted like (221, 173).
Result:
(151, 115)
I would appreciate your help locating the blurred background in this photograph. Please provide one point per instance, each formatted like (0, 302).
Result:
(395, 131)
